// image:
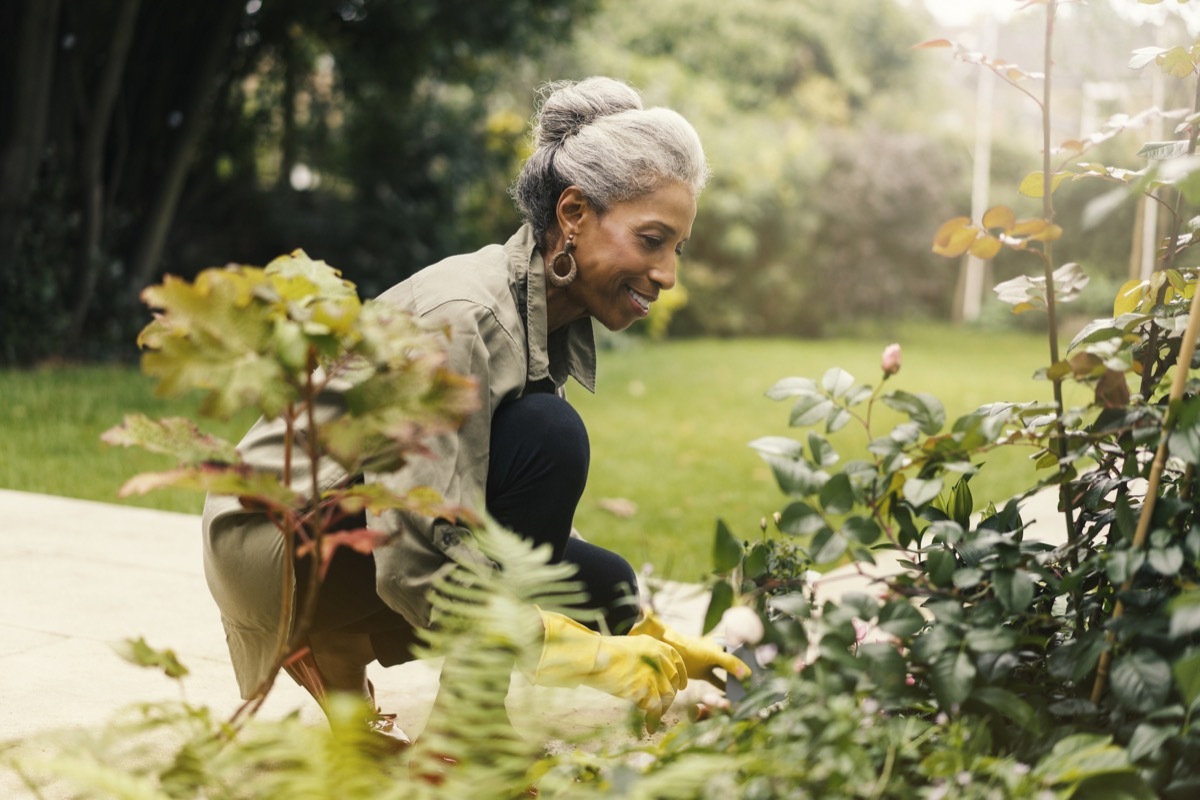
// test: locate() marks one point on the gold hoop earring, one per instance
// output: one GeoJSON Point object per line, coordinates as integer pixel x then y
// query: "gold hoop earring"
{"type": "Point", "coordinates": [562, 281]}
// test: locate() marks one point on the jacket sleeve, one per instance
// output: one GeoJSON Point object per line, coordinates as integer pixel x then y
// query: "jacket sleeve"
{"type": "Point", "coordinates": [422, 548]}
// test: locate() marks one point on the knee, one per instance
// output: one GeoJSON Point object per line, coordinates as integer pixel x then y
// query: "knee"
{"type": "Point", "coordinates": [558, 430]}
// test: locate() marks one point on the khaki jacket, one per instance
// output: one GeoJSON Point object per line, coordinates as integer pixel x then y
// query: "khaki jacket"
{"type": "Point", "coordinates": [494, 303]}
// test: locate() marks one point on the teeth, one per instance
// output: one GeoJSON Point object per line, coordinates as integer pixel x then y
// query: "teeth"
{"type": "Point", "coordinates": [640, 299]}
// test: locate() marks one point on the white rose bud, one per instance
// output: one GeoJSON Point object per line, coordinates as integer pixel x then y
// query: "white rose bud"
{"type": "Point", "coordinates": [742, 626]}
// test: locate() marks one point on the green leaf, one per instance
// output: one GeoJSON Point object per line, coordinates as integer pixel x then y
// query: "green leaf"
{"type": "Point", "coordinates": [1126, 522]}
{"type": "Point", "coordinates": [237, 481]}
{"type": "Point", "coordinates": [900, 619]}
{"type": "Point", "coordinates": [1081, 756]}
{"type": "Point", "coordinates": [720, 601]}
{"type": "Point", "coordinates": [991, 640]}
{"type": "Point", "coordinates": [934, 641]}
{"type": "Point", "coordinates": [952, 676]}
{"type": "Point", "coordinates": [1007, 704]}
{"type": "Point", "coordinates": [1186, 671]}
{"type": "Point", "coordinates": [780, 446]}
{"type": "Point", "coordinates": [918, 492]}
{"type": "Point", "coordinates": [800, 519]}
{"type": "Point", "coordinates": [1185, 614]}
{"type": "Point", "coordinates": [940, 565]}
{"type": "Point", "coordinates": [727, 550]}
{"type": "Point", "coordinates": [1120, 565]}
{"type": "Point", "coordinates": [793, 605]}
{"type": "Point", "coordinates": [885, 666]}
{"type": "Point", "coordinates": [923, 409]}
{"type": "Point", "coordinates": [1148, 739]}
{"type": "Point", "coordinates": [863, 529]}
{"type": "Point", "coordinates": [809, 410]}
{"type": "Point", "coordinates": [792, 387]}
{"type": "Point", "coordinates": [177, 437]}
{"type": "Point", "coordinates": [837, 495]}
{"type": "Point", "coordinates": [1162, 151]}
{"type": "Point", "coordinates": [857, 394]}
{"type": "Point", "coordinates": [137, 651]}
{"type": "Point", "coordinates": [758, 561]}
{"type": "Point", "coordinates": [1141, 680]}
{"type": "Point", "coordinates": [217, 335]}
{"type": "Point", "coordinates": [828, 546]}
{"type": "Point", "coordinates": [823, 454]}
{"type": "Point", "coordinates": [1014, 589]}
{"type": "Point", "coordinates": [961, 504]}
{"type": "Point", "coordinates": [1166, 561]}
{"type": "Point", "coordinates": [796, 477]}
{"type": "Point", "coordinates": [967, 577]}
{"type": "Point", "coordinates": [1076, 659]}
{"type": "Point", "coordinates": [838, 419]}
{"type": "Point", "coordinates": [1114, 786]}
{"type": "Point", "coordinates": [837, 382]}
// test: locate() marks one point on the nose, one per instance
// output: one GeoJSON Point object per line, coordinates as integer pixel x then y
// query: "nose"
{"type": "Point", "coordinates": [663, 272]}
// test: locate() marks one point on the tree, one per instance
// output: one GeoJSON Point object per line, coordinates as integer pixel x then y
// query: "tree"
{"type": "Point", "coordinates": [146, 136]}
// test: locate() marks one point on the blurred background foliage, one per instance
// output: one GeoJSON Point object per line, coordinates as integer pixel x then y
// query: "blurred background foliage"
{"type": "Point", "coordinates": [139, 137]}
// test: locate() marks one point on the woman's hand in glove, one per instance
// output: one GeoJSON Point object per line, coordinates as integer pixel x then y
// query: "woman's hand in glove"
{"type": "Point", "coordinates": [639, 668]}
{"type": "Point", "coordinates": [701, 654]}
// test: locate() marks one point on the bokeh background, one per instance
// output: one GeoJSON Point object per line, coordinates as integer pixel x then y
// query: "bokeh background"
{"type": "Point", "coordinates": [143, 136]}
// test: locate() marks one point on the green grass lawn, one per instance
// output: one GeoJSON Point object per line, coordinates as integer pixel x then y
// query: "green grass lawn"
{"type": "Point", "coordinates": [669, 427]}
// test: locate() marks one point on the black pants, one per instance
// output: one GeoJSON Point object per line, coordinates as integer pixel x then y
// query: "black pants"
{"type": "Point", "coordinates": [537, 469]}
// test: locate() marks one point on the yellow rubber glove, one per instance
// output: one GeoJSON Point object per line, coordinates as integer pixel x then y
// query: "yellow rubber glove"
{"type": "Point", "coordinates": [637, 668]}
{"type": "Point", "coordinates": [701, 654]}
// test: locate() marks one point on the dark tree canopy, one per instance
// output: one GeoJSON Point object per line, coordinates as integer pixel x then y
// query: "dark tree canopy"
{"type": "Point", "coordinates": [143, 136]}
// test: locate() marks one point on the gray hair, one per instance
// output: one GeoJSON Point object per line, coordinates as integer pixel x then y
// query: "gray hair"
{"type": "Point", "coordinates": [595, 134]}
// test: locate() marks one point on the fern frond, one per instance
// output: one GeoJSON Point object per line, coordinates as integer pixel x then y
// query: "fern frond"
{"type": "Point", "coordinates": [486, 624]}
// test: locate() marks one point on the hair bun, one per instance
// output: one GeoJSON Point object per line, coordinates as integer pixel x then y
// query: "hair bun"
{"type": "Point", "coordinates": [567, 106]}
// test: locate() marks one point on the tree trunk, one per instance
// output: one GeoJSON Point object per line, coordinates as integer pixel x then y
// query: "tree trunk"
{"type": "Point", "coordinates": [33, 83]}
{"type": "Point", "coordinates": [92, 167]}
{"type": "Point", "coordinates": [162, 211]}
{"type": "Point", "coordinates": [288, 144]}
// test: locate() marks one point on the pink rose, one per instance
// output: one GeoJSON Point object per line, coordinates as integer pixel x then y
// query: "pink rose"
{"type": "Point", "coordinates": [890, 361]}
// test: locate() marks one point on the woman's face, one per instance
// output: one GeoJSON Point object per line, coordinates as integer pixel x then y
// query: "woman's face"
{"type": "Point", "coordinates": [627, 255]}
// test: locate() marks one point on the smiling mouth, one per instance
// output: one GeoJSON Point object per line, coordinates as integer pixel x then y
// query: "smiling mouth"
{"type": "Point", "coordinates": [643, 302]}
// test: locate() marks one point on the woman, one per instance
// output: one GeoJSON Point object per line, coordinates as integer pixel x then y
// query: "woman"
{"type": "Point", "coordinates": [608, 198]}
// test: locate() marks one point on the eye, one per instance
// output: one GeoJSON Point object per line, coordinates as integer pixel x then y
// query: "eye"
{"type": "Point", "coordinates": [679, 250]}
{"type": "Point", "coordinates": [652, 242]}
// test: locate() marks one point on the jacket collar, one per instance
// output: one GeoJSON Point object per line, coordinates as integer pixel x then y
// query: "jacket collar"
{"type": "Point", "coordinates": [569, 351]}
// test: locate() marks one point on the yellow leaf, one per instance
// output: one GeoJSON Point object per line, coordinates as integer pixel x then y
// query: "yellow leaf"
{"type": "Point", "coordinates": [1057, 371]}
{"type": "Point", "coordinates": [1072, 146]}
{"type": "Point", "coordinates": [999, 217]}
{"type": "Point", "coordinates": [1177, 62]}
{"type": "Point", "coordinates": [1129, 297]}
{"type": "Point", "coordinates": [1050, 233]}
{"type": "Point", "coordinates": [1034, 184]}
{"type": "Point", "coordinates": [986, 247]}
{"type": "Point", "coordinates": [933, 43]}
{"type": "Point", "coordinates": [1028, 228]}
{"type": "Point", "coordinates": [954, 237]}
{"type": "Point", "coordinates": [1021, 308]}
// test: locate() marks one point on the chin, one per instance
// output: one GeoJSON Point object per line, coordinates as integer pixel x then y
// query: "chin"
{"type": "Point", "coordinates": [619, 326]}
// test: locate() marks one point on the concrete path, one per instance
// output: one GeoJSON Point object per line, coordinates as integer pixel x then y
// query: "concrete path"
{"type": "Point", "coordinates": [77, 577]}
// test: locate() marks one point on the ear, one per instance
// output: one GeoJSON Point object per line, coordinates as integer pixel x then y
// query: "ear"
{"type": "Point", "coordinates": [572, 208]}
